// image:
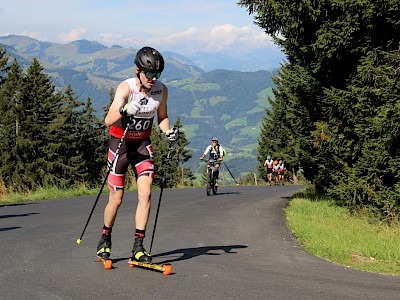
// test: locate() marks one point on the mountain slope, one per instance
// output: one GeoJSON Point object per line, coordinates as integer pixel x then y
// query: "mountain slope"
{"type": "Point", "coordinates": [227, 104]}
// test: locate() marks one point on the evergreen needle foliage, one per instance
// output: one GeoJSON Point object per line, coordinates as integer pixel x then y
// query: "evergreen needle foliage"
{"type": "Point", "coordinates": [336, 111]}
{"type": "Point", "coordinates": [49, 140]}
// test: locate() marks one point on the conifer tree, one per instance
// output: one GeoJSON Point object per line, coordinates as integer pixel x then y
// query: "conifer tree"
{"type": "Point", "coordinates": [182, 155]}
{"type": "Point", "coordinates": [9, 124]}
{"type": "Point", "coordinates": [111, 93]}
{"type": "Point", "coordinates": [370, 155]}
{"type": "Point", "coordinates": [350, 49]}
{"type": "Point", "coordinates": [71, 158]}
{"type": "Point", "coordinates": [94, 143]}
{"type": "Point", "coordinates": [37, 108]}
{"type": "Point", "coordinates": [4, 67]}
{"type": "Point", "coordinates": [178, 156]}
{"type": "Point", "coordinates": [286, 129]}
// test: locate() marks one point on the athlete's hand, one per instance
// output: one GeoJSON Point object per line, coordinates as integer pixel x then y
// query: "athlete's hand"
{"type": "Point", "coordinates": [172, 134]}
{"type": "Point", "coordinates": [132, 107]}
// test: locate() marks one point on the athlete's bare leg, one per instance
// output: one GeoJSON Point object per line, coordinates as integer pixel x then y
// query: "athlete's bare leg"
{"type": "Point", "coordinates": [144, 201]}
{"type": "Point", "coordinates": [111, 209]}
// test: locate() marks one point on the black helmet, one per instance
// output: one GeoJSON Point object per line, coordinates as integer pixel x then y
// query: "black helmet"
{"type": "Point", "coordinates": [149, 60]}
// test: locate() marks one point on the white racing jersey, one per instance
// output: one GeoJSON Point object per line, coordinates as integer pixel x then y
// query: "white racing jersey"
{"type": "Point", "coordinates": [215, 152]}
{"type": "Point", "coordinates": [141, 123]}
{"type": "Point", "coordinates": [269, 163]}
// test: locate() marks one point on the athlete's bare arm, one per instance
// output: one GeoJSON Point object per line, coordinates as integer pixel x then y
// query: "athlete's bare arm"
{"type": "Point", "coordinates": [120, 99]}
{"type": "Point", "coordinates": [162, 113]}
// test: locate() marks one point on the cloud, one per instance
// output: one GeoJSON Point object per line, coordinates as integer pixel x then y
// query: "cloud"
{"type": "Point", "coordinates": [72, 35]}
{"type": "Point", "coordinates": [237, 40]}
{"type": "Point", "coordinates": [221, 38]}
{"type": "Point", "coordinates": [182, 26]}
{"type": "Point", "coordinates": [31, 34]}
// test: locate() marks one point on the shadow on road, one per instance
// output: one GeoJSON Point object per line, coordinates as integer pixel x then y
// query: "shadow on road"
{"type": "Point", "coordinates": [8, 228]}
{"type": "Point", "coordinates": [188, 253]}
{"type": "Point", "coordinates": [16, 216]}
{"type": "Point", "coordinates": [227, 193]}
{"type": "Point", "coordinates": [16, 204]}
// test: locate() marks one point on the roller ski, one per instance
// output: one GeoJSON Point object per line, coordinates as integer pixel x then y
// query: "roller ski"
{"type": "Point", "coordinates": [104, 251]}
{"type": "Point", "coordinates": [166, 269]}
{"type": "Point", "coordinates": [141, 258]}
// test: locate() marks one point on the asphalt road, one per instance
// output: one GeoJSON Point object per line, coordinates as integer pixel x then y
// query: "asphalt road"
{"type": "Point", "coordinates": [234, 245]}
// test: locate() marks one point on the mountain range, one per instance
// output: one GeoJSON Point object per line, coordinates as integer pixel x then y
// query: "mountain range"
{"type": "Point", "coordinates": [229, 104]}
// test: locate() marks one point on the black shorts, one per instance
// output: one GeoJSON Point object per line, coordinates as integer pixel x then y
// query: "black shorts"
{"type": "Point", "coordinates": [130, 152]}
{"type": "Point", "coordinates": [139, 154]}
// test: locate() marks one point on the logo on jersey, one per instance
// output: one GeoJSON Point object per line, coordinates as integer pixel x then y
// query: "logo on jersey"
{"type": "Point", "coordinates": [144, 101]}
{"type": "Point", "coordinates": [156, 92]}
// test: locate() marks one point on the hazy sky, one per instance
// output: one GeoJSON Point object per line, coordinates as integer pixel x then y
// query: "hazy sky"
{"type": "Point", "coordinates": [181, 26]}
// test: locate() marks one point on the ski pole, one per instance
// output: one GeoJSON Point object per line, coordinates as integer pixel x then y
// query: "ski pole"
{"type": "Point", "coordinates": [230, 172]}
{"type": "Point", "coordinates": [163, 181]}
{"type": "Point", "coordinates": [79, 241]}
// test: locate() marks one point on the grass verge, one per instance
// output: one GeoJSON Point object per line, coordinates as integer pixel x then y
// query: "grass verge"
{"type": "Point", "coordinates": [330, 232]}
{"type": "Point", "coordinates": [49, 193]}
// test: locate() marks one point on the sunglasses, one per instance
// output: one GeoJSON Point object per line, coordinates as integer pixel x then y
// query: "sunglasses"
{"type": "Point", "coordinates": [215, 141]}
{"type": "Point", "coordinates": [151, 75]}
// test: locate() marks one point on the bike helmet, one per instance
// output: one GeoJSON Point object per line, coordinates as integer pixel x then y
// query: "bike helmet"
{"type": "Point", "coordinates": [149, 60]}
{"type": "Point", "coordinates": [214, 139]}
{"type": "Point", "coordinates": [268, 157]}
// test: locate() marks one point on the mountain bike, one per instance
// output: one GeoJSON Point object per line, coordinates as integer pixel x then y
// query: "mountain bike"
{"type": "Point", "coordinates": [211, 178]}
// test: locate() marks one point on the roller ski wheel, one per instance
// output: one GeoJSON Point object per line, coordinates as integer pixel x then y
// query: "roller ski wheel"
{"type": "Point", "coordinates": [166, 269]}
{"type": "Point", "coordinates": [106, 262]}
{"type": "Point", "coordinates": [104, 251]}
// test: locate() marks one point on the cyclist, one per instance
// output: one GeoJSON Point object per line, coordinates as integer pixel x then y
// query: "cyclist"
{"type": "Point", "coordinates": [216, 153]}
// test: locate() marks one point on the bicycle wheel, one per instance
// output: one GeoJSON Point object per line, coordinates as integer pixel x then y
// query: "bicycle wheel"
{"type": "Point", "coordinates": [214, 181]}
{"type": "Point", "coordinates": [215, 189]}
{"type": "Point", "coordinates": [208, 184]}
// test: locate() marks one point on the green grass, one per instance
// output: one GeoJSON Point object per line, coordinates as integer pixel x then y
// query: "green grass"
{"type": "Point", "coordinates": [249, 148]}
{"type": "Point", "coordinates": [217, 99]}
{"type": "Point", "coordinates": [236, 122]}
{"type": "Point", "coordinates": [49, 193]}
{"type": "Point", "coordinates": [190, 130]}
{"type": "Point", "coordinates": [53, 193]}
{"type": "Point", "coordinates": [225, 117]}
{"type": "Point", "coordinates": [196, 112]}
{"type": "Point", "coordinates": [253, 131]}
{"type": "Point", "coordinates": [330, 232]}
{"type": "Point", "coordinates": [191, 84]}
{"type": "Point", "coordinates": [202, 87]}
{"type": "Point", "coordinates": [255, 110]}
{"type": "Point", "coordinates": [263, 97]}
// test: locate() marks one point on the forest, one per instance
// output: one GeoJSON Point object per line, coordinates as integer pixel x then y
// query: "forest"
{"type": "Point", "coordinates": [49, 138]}
{"type": "Point", "coordinates": [336, 112]}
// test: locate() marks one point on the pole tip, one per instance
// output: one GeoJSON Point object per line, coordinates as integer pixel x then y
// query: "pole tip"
{"type": "Point", "coordinates": [78, 241]}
